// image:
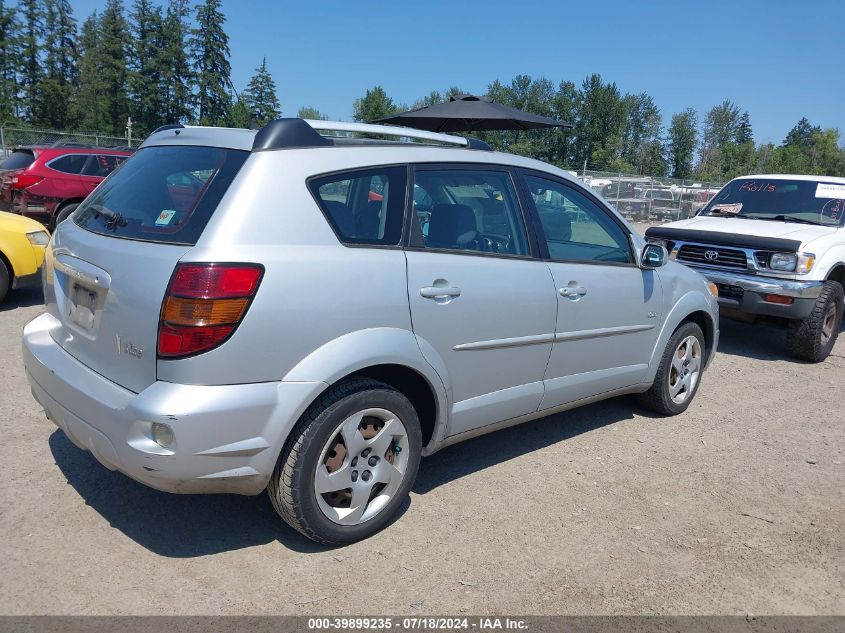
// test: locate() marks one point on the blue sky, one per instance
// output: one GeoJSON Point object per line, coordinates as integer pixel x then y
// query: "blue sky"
{"type": "Point", "coordinates": [778, 59]}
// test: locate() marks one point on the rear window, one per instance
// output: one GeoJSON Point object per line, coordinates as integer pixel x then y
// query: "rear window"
{"type": "Point", "coordinates": [19, 159]}
{"type": "Point", "coordinates": [164, 194]}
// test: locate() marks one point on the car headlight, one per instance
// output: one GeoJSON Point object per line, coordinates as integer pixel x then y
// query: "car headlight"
{"type": "Point", "coordinates": [800, 263]}
{"type": "Point", "coordinates": [38, 238]}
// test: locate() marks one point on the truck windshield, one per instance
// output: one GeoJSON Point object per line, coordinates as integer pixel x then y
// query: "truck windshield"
{"type": "Point", "coordinates": [805, 201]}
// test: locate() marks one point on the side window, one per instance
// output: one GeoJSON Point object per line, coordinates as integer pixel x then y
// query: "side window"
{"type": "Point", "coordinates": [576, 228]}
{"type": "Point", "coordinates": [101, 165]}
{"type": "Point", "coordinates": [69, 164]}
{"type": "Point", "coordinates": [364, 207]}
{"type": "Point", "coordinates": [469, 210]}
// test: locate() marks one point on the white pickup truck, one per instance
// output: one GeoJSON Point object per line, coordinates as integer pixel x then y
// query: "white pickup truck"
{"type": "Point", "coordinates": [775, 247]}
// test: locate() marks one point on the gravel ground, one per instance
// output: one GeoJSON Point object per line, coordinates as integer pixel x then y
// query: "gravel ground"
{"type": "Point", "coordinates": [736, 506]}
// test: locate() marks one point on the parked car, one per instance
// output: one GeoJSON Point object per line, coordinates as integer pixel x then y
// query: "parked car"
{"type": "Point", "coordinates": [280, 329]}
{"type": "Point", "coordinates": [22, 243]}
{"type": "Point", "coordinates": [47, 183]}
{"type": "Point", "coordinates": [775, 247]}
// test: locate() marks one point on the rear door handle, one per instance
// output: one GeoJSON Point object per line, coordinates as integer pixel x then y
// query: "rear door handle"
{"type": "Point", "coordinates": [440, 292]}
{"type": "Point", "coordinates": [573, 292]}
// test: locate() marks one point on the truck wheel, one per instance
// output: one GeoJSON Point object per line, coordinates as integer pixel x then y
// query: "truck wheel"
{"type": "Point", "coordinates": [679, 373]}
{"type": "Point", "coordinates": [5, 280]}
{"type": "Point", "coordinates": [813, 338]}
{"type": "Point", "coordinates": [349, 463]}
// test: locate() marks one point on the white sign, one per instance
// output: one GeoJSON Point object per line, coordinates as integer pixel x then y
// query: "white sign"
{"type": "Point", "coordinates": [825, 190]}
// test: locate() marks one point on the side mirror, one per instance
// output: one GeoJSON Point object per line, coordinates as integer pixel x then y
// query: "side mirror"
{"type": "Point", "coordinates": [654, 256]}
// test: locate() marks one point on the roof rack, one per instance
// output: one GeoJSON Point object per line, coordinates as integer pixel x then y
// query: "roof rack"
{"type": "Point", "coordinates": [297, 133]}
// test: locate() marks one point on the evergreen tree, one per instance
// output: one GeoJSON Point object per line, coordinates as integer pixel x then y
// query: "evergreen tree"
{"type": "Point", "coordinates": [9, 63]}
{"type": "Point", "coordinates": [114, 42]}
{"type": "Point", "coordinates": [683, 139]}
{"type": "Point", "coordinates": [177, 79]}
{"type": "Point", "coordinates": [145, 66]}
{"type": "Point", "coordinates": [30, 62]}
{"type": "Point", "coordinates": [87, 105]}
{"type": "Point", "coordinates": [51, 96]}
{"type": "Point", "coordinates": [260, 97]}
{"type": "Point", "coordinates": [801, 135]}
{"type": "Point", "coordinates": [744, 134]}
{"type": "Point", "coordinates": [210, 51]}
{"type": "Point", "coordinates": [240, 115]}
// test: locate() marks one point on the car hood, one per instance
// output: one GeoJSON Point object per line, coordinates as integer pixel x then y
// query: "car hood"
{"type": "Point", "coordinates": [18, 223]}
{"type": "Point", "coordinates": [761, 228]}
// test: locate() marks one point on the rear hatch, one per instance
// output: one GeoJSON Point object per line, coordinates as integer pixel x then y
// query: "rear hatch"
{"type": "Point", "coordinates": [12, 165]}
{"type": "Point", "coordinates": [108, 267]}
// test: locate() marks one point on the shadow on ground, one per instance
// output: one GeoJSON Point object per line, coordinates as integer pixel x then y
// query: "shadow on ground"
{"type": "Point", "coordinates": [22, 299]}
{"type": "Point", "coordinates": [755, 340]}
{"type": "Point", "coordinates": [184, 526]}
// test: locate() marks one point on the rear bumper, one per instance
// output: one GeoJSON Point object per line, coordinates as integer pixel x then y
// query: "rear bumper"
{"type": "Point", "coordinates": [744, 293]}
{"type": "Point", "coordinates": [227, 438]}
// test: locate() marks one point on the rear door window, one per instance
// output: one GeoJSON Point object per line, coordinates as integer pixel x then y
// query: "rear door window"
{"type": "Point", "coordinates": [364, 206]}
{"type": "Point", "coordinates": [69, 164]}
{"type": "Point", "coordinates": [164, 194]}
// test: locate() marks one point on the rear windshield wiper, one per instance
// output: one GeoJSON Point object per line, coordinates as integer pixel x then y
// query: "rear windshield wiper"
{"type": "Point", "coordinates": [788, 218]}
{"type": "Point", "coordinates": [113, 218]}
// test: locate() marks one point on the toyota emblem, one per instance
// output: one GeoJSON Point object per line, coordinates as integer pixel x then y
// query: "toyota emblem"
{"type": "Point", "coordinates": [711, 255]}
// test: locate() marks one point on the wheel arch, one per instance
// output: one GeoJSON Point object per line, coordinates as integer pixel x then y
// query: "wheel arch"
{"type": "Point", "coordinates": [691, 307]}
{"type": "Point", "coordinates": [389, 355]}
{"type": "Point", "coordinates": [837, 273]}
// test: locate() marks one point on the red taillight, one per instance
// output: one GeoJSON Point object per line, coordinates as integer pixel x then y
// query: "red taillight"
{"type": "Point", "coordinates": [204, 305]}
{"type": "Point", "coordinates": [22, 181]}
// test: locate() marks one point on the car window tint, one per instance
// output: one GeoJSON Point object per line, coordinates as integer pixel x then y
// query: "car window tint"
{"type": "Point", "coordinates": [70, 164]}
{"type": "Point", "coordinates": [19, 159]}
{"type": "Point", "coordinates": [469, 210]}
{"type": "Point", "coordinates": [102, 165]}
{"type": "Point", "coordinates": [364, 207]}
{"type": "Point", "coordinates": [575, 227]}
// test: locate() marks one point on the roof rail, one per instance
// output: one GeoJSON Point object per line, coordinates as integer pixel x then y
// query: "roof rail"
{"type": "Point", "coordinates": [294, 132]}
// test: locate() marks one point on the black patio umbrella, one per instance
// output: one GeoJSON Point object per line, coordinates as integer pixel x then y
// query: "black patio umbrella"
{"type": "Point", "coordinates": [469, 113]}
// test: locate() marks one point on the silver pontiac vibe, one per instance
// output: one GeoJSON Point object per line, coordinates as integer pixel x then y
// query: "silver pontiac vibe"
{"type": "Point", "coordinates": [310, 313]}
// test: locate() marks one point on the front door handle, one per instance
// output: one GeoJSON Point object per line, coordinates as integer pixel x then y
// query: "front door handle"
{"type": "Point", "coordinates": [573, 292]}
{"type": "Point", "coordinates": [440, 292]}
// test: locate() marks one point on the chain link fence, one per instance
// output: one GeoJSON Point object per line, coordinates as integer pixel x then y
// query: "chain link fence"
{"type": "Point", "coordinates": [650, 199]}
{"type": "Point", "coordinates": [12, 137]}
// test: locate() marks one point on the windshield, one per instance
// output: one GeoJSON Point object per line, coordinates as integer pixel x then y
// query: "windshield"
{"type": "Point", "coordinates": [808, 201]}
{"type": "Point", "coordinates": [162, 194]}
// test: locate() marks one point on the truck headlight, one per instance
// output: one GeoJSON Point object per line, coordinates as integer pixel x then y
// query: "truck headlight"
{"type": "Point", "coordinates": [783, 261]}
{"type": "Point", "coordinates": [38, 238]}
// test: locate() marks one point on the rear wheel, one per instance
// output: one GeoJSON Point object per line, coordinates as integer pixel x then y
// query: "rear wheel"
{"type": "Point", "coordinates": [349, 463]}
{"type": "Point", "coordinates": [679, 373]}
{"type": "Point", "coordinates": [5, 280]}
{"type": "Point", "coordinates": [812, 339]}
{"type": "Point", "coordinates": [64, 213]}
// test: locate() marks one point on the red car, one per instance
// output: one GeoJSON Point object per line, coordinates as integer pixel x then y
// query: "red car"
{"type": "Point", "coordinates": [47, 183]}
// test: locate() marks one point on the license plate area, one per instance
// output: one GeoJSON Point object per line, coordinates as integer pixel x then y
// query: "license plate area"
{"type": "Point", "coordinates": [83, 305]}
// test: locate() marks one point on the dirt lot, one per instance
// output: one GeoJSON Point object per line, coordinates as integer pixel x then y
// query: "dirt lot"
{"type": "Point", "coordinates": [736, 506]}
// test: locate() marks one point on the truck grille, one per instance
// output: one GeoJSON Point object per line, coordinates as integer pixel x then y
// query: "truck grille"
{"type": "Point", "coordinates": [724, 257]}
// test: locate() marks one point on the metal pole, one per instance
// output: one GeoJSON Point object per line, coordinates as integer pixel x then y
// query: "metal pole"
{"type": "Point", "coordinates": [3, 140]}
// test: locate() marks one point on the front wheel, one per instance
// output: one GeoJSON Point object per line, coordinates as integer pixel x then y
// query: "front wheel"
{"type": "Point", "coordinates": [812, 339]}
{"type": "Point", "coordinates": [679, 373]}
{"type": "Point", "coordinates": [5, 280]}
{"type": "Point", "coordinates": [349, 463]}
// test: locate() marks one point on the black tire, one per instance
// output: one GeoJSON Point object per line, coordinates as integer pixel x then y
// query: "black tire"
{"type": "Point", "coordinates": [63, 213]}
{"type": "Point", "coordinates": [658, 398]}
{"type": "Point", "coordinates": [805, 339]}
{"type": "Point", "coordinates": [5, 280]}
{"type": "Point", "coordinates": [291, 487]}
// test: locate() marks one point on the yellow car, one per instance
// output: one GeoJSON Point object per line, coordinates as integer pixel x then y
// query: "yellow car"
{"type": "Point", "coordinates": [22, 243]}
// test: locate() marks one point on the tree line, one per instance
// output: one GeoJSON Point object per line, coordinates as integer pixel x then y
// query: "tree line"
{"type": "Point", "coordinates": [155, 64]}
{"type": "Point", "coordinates": [170, 64]}
{"type": "Point", "coordinates": [627, 133]}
